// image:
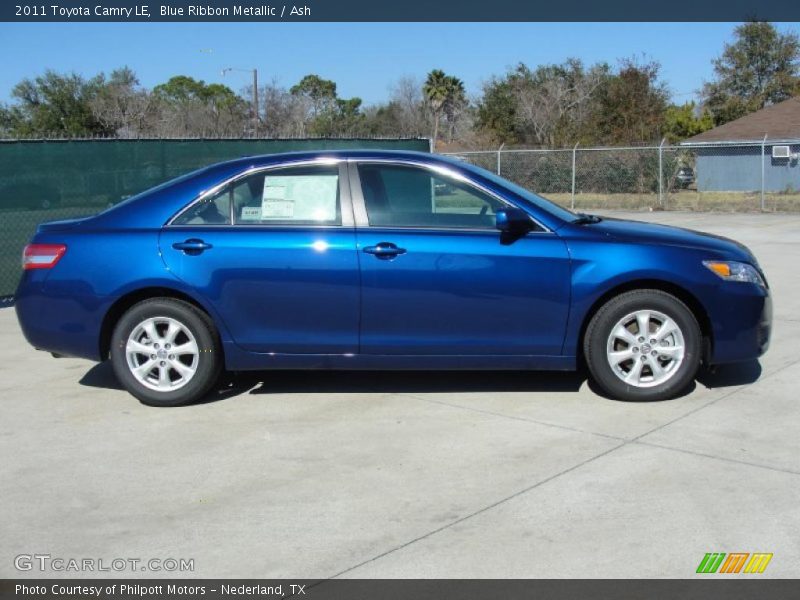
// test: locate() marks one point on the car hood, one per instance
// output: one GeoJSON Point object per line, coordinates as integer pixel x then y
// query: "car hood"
{"type": "Point", "coordinates": [639, 232]}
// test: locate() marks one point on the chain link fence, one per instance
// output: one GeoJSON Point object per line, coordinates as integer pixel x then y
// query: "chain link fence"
{"type": "Point", "coordinates": [756, 176]}
{"type": "Point", "coordinates": [47, 180]}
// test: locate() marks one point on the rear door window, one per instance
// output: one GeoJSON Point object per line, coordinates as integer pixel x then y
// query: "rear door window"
{"type": "Point", "coordinates": [290, 196]}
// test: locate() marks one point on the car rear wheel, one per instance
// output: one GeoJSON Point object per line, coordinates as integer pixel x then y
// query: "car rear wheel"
{"type": "Point", "coordinates": [165, 352]}
{"type": "Point", "coordinates": [643, 345]}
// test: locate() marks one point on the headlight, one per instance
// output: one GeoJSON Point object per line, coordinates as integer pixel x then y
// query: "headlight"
{"type": "Point", "coordinates": [735, 271]}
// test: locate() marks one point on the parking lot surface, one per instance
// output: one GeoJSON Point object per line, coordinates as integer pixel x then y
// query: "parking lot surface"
{"type": "Point", "coordinates": [317, 475]}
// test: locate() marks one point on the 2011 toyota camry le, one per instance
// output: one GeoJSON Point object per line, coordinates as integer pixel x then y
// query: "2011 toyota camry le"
{"type": "Point", "coordinates": [382, 260]}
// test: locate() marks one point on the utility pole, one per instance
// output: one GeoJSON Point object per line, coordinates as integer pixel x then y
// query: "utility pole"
{"type": "Point", "coordinates": [255, 102]}
{"type": "Point", "coordinates": [572, 197]}
{"type": "Point", "coordinates": [255, 93]}
{"type": "Point", "coordinates": [763, 177]}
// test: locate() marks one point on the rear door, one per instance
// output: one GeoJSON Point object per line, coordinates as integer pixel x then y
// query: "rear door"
{"type": "Point", "coordinates": [274, 252]}
{"type": "Point", "coordinates": [439, 279]}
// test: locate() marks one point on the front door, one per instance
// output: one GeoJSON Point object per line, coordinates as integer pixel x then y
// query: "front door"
{"type": "Point", "coordinates": [438, 278]}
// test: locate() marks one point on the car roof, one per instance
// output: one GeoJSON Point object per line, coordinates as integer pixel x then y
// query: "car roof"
{"type": "Point", "coordinates": [269, 159]}
{"type": "Point", "coordinates": [155, 206]}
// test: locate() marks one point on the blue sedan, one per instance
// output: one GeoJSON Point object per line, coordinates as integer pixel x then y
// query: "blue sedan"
{"type": "Point", "coordinates": [382, 260]}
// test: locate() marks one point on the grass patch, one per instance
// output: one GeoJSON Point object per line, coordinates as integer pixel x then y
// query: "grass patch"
{"type": "Point", "coordinates": [684, 200]}
{"type": "Point", "coordinates": [676, 200]}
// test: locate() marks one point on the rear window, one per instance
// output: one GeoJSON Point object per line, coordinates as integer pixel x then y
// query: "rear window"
{"type": "Point", "coordinates": [307, 195]}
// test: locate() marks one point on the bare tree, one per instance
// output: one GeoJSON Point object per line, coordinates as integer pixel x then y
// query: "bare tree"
{"type": "Point", "coordinates": [407, 95]}
{"type": "Point", "coordinates": [283, 114]}
{"type": "Point", "coordinates": [123, 106]}
{"type": "Point", "coordinates": [553, 96]}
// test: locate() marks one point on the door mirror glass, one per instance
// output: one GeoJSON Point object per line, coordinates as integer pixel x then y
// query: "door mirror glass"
{"type": "Point", "coordinates": [513, 220]}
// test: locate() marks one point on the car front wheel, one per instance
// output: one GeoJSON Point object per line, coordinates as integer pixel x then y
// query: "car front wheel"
{"type": "Point", "coordinates": [643, 345]}
{"type": "Point", "coordinates": [165, 352]}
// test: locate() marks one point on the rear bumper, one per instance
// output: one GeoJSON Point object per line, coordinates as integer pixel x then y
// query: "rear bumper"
{"type": "Point", "coordinates": [52, 321]}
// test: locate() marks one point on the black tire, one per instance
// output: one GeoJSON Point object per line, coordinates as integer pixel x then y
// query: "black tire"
{"type": "Point", "coordinates": [209, 358]}
{"type": "Point", "coordinates": [596, 340]}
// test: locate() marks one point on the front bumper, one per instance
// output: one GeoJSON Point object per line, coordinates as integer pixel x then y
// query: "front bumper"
{"type": "Point", "coordinates": [741, 323]}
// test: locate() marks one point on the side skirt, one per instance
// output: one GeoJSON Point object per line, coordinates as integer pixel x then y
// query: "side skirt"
{"type": "Point", "coordinates": [237, 359]}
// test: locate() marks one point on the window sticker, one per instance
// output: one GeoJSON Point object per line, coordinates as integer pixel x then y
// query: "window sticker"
{"type": "Point", "coordinates": [300, 197]}
{"type": "Point", "coordinates": [274, 192]}
{"type": "Point", "coordinates": [251, 213]}
{"type": "Point", "coordinates": [274, 204]}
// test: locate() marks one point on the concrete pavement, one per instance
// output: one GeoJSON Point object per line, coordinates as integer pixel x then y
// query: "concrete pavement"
{"type": "Point", "coordinates": [316, 475]}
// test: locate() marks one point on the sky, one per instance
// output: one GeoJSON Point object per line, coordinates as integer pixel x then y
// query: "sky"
{"type": "Point", "coordinates": [364, 59]}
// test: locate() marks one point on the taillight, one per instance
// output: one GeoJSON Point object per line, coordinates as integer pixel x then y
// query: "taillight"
{"type": "Point", "coordinates": [42, 256]}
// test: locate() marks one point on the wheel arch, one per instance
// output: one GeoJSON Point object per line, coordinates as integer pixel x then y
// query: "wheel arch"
{"type": "Point", "coordinates": [126, 301]}
{"type": "Point", "coordinates": [681, 293]}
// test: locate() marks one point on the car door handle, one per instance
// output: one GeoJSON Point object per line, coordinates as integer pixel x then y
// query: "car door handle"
{"type": "Point", "coordinates": [193, 246]}
{"type": "Point", "coordinates": [385, 250]}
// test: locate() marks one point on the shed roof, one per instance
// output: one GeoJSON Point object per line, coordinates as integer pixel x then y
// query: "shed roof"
{"type": "Point", "coordinates": [779, 122]}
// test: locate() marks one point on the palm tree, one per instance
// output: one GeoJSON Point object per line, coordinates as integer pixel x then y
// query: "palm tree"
{"type": "Point", "coordinates": [456, 101]}
{"type": "Point", "coordinates": [437, 90]}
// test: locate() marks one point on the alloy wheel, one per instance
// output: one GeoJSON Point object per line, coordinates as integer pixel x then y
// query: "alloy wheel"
{"type": "Point", "coordinates": [645, 348]}
{"type": "Point", "coordinates": [162, 354]}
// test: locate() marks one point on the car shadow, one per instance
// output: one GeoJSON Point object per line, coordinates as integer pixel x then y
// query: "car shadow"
{"type": "Point", "coordinates": [730, 375]}
{"type": "Point", "coordinates": [598, 391]}
{"type": "Point", "coordinates": [409, 382]}
{"type": "Point", "coordinates": [721, 376]}
{"type": "Point", "coordinates": [386, 382]}
{"type": "Point", "coordinates": [101, 375]}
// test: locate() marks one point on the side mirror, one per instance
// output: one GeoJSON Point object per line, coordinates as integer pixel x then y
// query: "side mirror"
{"type": "Point", "coordinates": [513, 220]}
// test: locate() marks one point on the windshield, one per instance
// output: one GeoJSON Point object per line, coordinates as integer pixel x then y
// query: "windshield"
{"type": "Point", "coordinates": [535, 199]}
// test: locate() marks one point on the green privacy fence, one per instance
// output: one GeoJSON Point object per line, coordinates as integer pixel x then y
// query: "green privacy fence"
{"type": "Point", "coordinates": [46, 180]}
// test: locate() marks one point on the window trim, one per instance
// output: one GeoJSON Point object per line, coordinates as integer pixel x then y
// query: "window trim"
{"type": "Point", "coordinates": [345, 199]}
{"type": "Point", "coordinates": [360, 206]}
